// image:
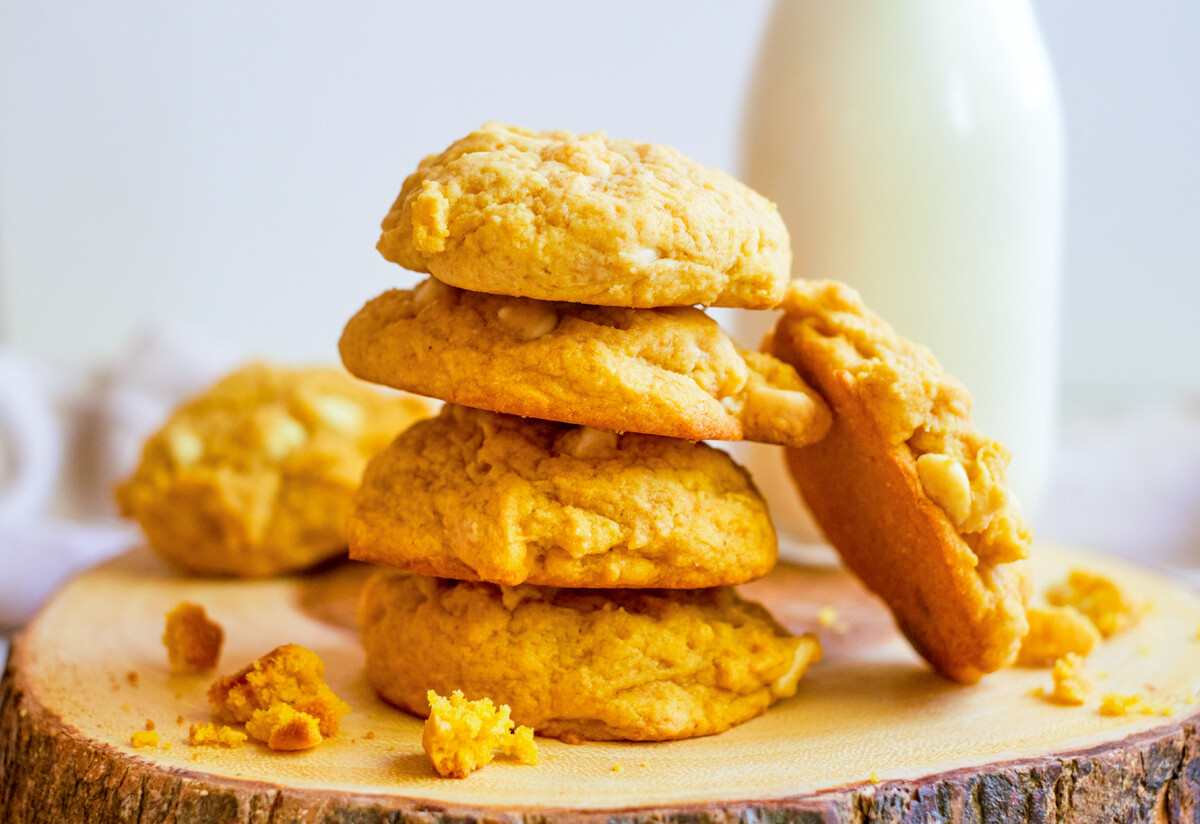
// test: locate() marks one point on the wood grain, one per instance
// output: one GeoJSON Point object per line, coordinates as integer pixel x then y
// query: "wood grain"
{"type": "Point", "coordinates": [872, 735]}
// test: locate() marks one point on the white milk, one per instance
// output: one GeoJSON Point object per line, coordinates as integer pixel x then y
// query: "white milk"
{"type": "Point", "coordinates": [915, 150]}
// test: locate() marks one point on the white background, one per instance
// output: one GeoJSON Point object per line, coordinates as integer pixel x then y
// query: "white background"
{"type": "Point", "coordinates": [224, 165]}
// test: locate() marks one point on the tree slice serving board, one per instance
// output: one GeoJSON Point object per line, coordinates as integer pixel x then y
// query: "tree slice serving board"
{"type": "Point", "coordinates": [872, 735]}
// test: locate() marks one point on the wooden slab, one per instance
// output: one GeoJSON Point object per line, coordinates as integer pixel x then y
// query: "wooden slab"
{"type": "Point", "coordinates": [871, 735]}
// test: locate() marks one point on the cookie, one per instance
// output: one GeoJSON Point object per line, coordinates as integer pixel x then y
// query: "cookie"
{"type": "Point", "coordinates": [669, 371]}
{"type": "Point", "coordinates": [255, 476]}
{"type": "Point", "coordinates": [478, 496]}
{"type": "Point", "coordinates": [904, 486]}
{"type": "Point", "coordinates": [642, 665]}
{"type": "Point", "coordinates": [587, 219]}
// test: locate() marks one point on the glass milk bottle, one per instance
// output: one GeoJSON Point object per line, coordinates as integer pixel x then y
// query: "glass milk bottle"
{"type": "Point", "coordinates": [915, 150]}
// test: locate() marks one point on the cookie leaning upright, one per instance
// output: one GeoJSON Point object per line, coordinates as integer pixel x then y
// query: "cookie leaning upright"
{"type": "Point", "coordinates": [587, 219]}
{"type": "Point", "coordinates": [904, 486]}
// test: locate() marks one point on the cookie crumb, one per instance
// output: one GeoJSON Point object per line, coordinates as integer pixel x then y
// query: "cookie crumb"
{"type": "Point", "coordinates": [149, 725]}
{"type": "Point", "coordinates": [144, 739]}
{"type": "Point", "coordinates": [282, 699]}
{"type": "Point", "coordinates": [828, 618]}
{"type": "Point", "coordinates": [1071, 683]}
{"type": "Point", "coordinates": [1097, 597]}
{"type": "Point", "coordinates": [132, 678]}
{"type": "Point", "coordinates": [1115, 703]}
{"type": "Point", "coordinates": [462, 736]}
{"type": "Point", "coordinates": [1053, 632]}
{"type": "Point", "coordinates": [874, 778]}
{"type": "Point", "coordinates": [192, 639]}
{"type": "Point", "coordinates": [616, 768]}
{"type": "Point", "coordinates": [1165, 710]}
{"type": "Point", "coordinates": [283, 727]}
{"type": "Point", "coordinates": [212, 735]}
{"type": "Point", "coordinates": [370, 736]}
{"type": "Point", "coordinates": [179, 720]}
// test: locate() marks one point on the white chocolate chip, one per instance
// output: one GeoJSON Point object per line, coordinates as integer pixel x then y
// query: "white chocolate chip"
{"type": "Point", "coordinates": [945, 482]}
{"type": "Point", "coordinates": [586, 442]}
{"type": "Point", "coordinates": [777, 415]}
{"type": "Point", "coordinates": [429, 291]}
{"type": "Point", "coordinates": [645, 255]}
{"type": "Point", "coordinates": [733, 404]}
{"type": "Point", "coordinates": [786, 683]}
{"type": "Point", "coordinates": [282, 436]}
{"type": "Point", "coordinates": [341, 414]}
{"type": "Point", "coordinates": [184, 445]}
{"type": "Point", "coordinates": [528, 319]}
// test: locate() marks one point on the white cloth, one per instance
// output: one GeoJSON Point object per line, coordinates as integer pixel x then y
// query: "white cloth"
{"type": "Point", "coordinates": [65, 440]}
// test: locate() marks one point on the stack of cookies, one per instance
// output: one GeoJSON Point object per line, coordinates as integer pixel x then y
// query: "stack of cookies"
{"type": "Point", "coordinates": [563, 541]}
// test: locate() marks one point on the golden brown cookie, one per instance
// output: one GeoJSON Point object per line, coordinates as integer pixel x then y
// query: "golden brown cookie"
{"type": "Point", "coordinates": [254, 476]}
{"type": "Point", "coordinates": [642, 665]}
{"type": "Point", "coordinates": [911, 495]}
{"type": "Point", "coordinates": [669, 372]}
{"type": "Point", "coordinates": [478, 496]}
{"type": "Point", "coordinates": [587, 219]}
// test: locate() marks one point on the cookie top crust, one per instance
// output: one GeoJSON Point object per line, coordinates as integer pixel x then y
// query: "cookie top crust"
{"type": "Point", "coordinates": [629, 664]}
{"type": "Point", "coordinates": [904, 486]}
{"type": "Point", "coordinates": [254, 476]}
{"type": "Point", "coordinates": [669, 371]}
{"type": "Point", "coordinates": [473, 495]}
{"type": "Point", "coordinates": [587, 219]}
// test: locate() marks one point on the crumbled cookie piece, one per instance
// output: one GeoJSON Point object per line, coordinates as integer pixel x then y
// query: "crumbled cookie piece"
{"type": "Point", "coordinates": [1054, 632]}
{"type": "Point", "coordinates": [288, 676]}
{"type": "Point", "coordinates": [1071, 683]}
{"type": "Point", "coordinates": [214, 735]}
{"type": "Point", "coordinates": [144, 739]}
{"type": "Point", "coordinates": [1115, 703]}
{"type": "Point", "coordinates": [462, 736]}
{"type": "Point", "coordinates": [1099, 598]}
{"type": "Point", "coordinates": [281, 727]}
{"type": "Point", "coordinates": [192, 639]}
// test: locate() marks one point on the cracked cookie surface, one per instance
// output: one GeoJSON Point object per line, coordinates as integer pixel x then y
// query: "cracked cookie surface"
{"type": "Point", "coordinates": [255, 475]}
{"type": "Point", "coordinates": [670, 371]}
{"type": "Point", "coordinates": [904, 486]}
{"type": "Point", "coordinates": [642, 665]}
{"type": "Point", "coordinates": [474, 495]}
{"type": "Point", "coordinates": [587, 219]}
